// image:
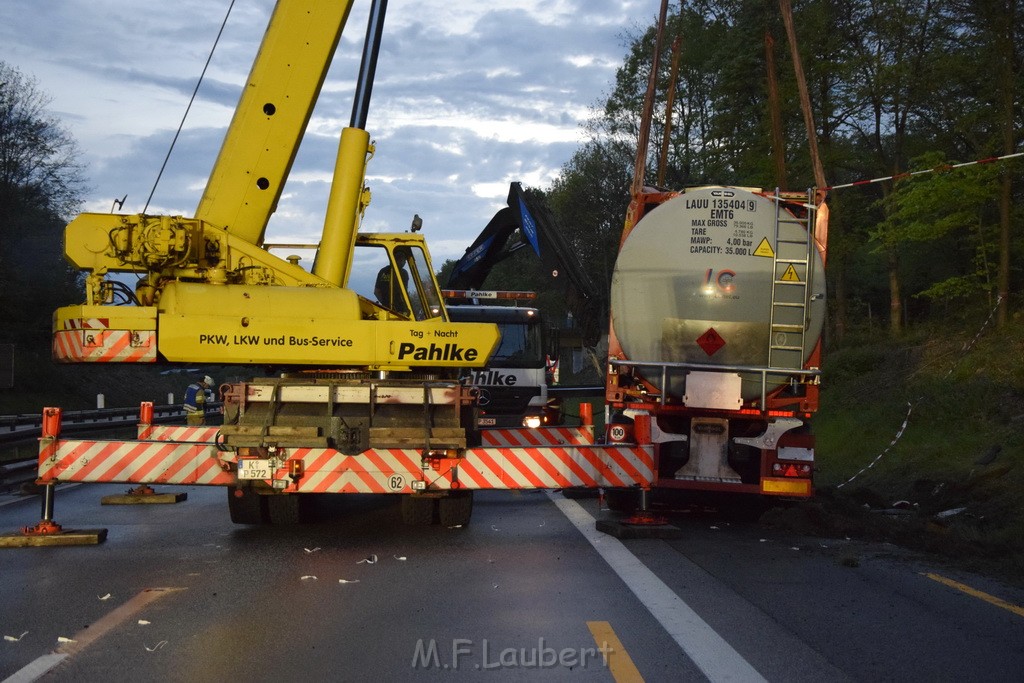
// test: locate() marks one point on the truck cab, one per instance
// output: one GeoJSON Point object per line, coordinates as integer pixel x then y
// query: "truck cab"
{"type": "Point", "coordinates": [512, 387]}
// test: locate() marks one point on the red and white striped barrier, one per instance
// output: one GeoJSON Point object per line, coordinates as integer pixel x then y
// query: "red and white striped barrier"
{"type": "Point", "coordinates": [91, 341]}
{"type": "Point", "coordinates": [545, 436]}
{"type": "Point", "coordinates": [178, 433]}
{"type": "Point", "coordinates": [325, 470]}
{"type": "Point", "coordinates": [131, 462]}
{"type": "Point", "coordinates": [938, 169]}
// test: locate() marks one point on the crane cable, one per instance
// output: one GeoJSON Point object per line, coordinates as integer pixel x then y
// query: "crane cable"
{"type": "Point", "coordinates": [938, 169]}
{"type": "Point", "coordinates": [189, 107]}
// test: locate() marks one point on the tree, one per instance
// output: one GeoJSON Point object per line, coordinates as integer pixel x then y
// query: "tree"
{"type": "Point", "coordinates": [589, 200]}
{"type": "Point", "coordinates": [954, 210]}
{"type": "Point", "coordinates": [40, 186]}
{"type": "Point", "coordinates": [38, 156]}
{"type": "Point", "coordinates": [994, 35]}
{"type": "Point", "coordinates": [893, 84]}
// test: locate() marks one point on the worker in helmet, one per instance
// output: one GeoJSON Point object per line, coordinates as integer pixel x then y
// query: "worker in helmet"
{"type": "Point", "coordinates": [196, 396]}
{"type": "Point", "coordinates": [389, 292]}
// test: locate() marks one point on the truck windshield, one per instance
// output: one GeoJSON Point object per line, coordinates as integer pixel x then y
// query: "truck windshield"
{"type": "Point", "coordinates": [521, 346]}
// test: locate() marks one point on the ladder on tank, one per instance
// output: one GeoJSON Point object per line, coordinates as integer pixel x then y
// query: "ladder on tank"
{"type": "Point", "coordinates": [791, 285]}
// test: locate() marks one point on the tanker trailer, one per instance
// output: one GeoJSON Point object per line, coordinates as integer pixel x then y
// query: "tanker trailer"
{"type": "Point", "coordinates": [717, 310]}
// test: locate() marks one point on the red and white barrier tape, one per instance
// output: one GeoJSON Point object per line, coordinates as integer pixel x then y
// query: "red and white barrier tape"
{"type": "Point", "coordinates": [907, 174]}
{"type": "Point", "coordinates": [910, 406]}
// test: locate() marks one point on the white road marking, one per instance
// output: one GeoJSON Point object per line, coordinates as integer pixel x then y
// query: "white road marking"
{"type": "Point", "coordinates": [36, 670]}
{"type": "Point", "coordinates": [83, 639]}
{"type": "Point", "coordinates": [35, 498]}
{"type": "Point", "coordinates": [701, 643]}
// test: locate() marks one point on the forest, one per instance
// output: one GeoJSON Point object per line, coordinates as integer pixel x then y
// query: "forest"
{"type": "Point", "coordinates": [916, 89]}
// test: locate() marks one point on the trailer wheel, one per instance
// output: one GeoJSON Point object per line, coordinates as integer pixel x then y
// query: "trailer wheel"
{"type": "Point", "coordinates": [285, 509]}
{"type": "Point", "coordinates": [418, 510]}
{"type": "Point", "coordinates": [456, 509]}
{"type": "Point", "coordinates": [248, 508]}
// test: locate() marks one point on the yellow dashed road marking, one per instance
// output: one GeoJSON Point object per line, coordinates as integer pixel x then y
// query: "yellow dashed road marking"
{"type": "Point", "coordinates": [620, 664]}
{"type": "Point", "coordinates": [974, 592]}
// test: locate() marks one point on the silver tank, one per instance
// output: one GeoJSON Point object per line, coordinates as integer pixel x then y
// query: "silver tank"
{"type": "Point", "coordinates": [694, 280]}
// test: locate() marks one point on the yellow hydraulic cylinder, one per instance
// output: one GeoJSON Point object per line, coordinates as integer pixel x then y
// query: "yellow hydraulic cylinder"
{"type": "Point", "coordinates": [344, 208]}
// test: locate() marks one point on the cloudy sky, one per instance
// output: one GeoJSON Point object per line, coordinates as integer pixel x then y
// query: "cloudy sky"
{"type": "Point", "coordinates": [468, 96]}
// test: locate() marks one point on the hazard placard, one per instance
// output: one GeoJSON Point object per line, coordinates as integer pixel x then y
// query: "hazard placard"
{"type": "Point", "coordinates": [791, 275]}
{"type": "Point", "coordinates": [764, 249]}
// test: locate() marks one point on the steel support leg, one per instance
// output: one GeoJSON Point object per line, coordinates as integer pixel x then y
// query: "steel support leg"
{"type": "Point", "coordinates": [47, 526]}
{"type": "Point", "coordinates": [48, 495]}
{"type": "Point", "coordinates": [643, 515]}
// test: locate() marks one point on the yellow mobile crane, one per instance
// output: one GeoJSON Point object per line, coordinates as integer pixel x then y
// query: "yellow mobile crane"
{"type": "Point", "coordinates": [369, 400]}
{"type": "Point", "coordinates": [360, 373]}
{"type": "Point", "coordinates": [210, 292]}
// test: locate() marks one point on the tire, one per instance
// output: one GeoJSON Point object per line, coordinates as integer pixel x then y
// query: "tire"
{"type": "Point", "coordinates": [418, 510]}
{"type": "Point", "coordinates": [455, 509]}
{"type": "Point", "coordinates": [249, 508]}
{"type": "Point", "coordinates": [285, 509]}
{"type": "Point", "coordinates": [625, 501]}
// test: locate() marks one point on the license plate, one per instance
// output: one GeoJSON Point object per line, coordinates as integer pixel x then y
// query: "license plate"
{"type": "Point", "coordinates": [487, 421]}
{"type": "Point", "coordinates": [252, 468]}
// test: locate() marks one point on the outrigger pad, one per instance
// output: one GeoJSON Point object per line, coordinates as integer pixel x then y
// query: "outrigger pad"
{"type": "Point", "coordinates": [143, 498]}
{"type": "Point", "coordinates": [622, 529]}
{"type": "Point", "coordinates": [63, 537]}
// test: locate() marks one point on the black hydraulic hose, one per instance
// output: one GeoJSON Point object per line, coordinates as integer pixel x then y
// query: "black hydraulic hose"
{"type": "Point", "coordinates": [368, 64]}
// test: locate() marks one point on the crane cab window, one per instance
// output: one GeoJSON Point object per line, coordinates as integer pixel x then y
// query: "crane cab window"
{"type": "Point", "coordinates": [422, 288]}
{"type": "Point", "coordinates": [399, 280]}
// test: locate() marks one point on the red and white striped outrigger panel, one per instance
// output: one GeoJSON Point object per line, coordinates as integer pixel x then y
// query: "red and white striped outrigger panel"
{"type": "Point", "coordinates": [90, 340]}
{"type": "Point", "coordinates": [326, 470]}
{"type": "Point", "coordinates": [545, 436]}
{"type": "Point", "coordinates": [178, 433]}
{"type": "Point", "coordinates": [548, 467]}
{"type": "Point", "coordinates": [140, 462]}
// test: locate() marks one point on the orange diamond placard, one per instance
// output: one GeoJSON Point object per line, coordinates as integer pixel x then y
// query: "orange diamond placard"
{"type": "Point", "coordinates": [710, 342]}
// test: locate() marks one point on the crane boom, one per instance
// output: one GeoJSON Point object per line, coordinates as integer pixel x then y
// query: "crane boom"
{"type": "Point", "coordinates": [263, 138]}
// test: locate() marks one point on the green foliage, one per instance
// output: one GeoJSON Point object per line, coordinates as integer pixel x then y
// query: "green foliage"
{"type": "Point", "coordinates": [954, 209]}
{"type": "Point", "coordinates": [930, 206]}
{"type": "Point", "coordinates": [589, 200]}
{"type": "Point", "coordinates": [962, 445]}
{"type": "Point", "coordinates": [894, 85]}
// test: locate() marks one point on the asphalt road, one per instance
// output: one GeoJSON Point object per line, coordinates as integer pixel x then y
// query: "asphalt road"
{"type": "Point", "coordinates": [529, 590]}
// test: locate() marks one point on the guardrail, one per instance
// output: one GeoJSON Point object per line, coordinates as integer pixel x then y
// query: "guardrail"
{"type": "Point", "coordinates": [26, 427]}
{"type": "Point", "coordinates": [17, 428]}
{"type": "Point", "coordinates": [18, 475]}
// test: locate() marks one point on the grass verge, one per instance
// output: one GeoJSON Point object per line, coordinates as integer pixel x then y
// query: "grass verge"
{"type": "Point", "coordinates": [952, 482]}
